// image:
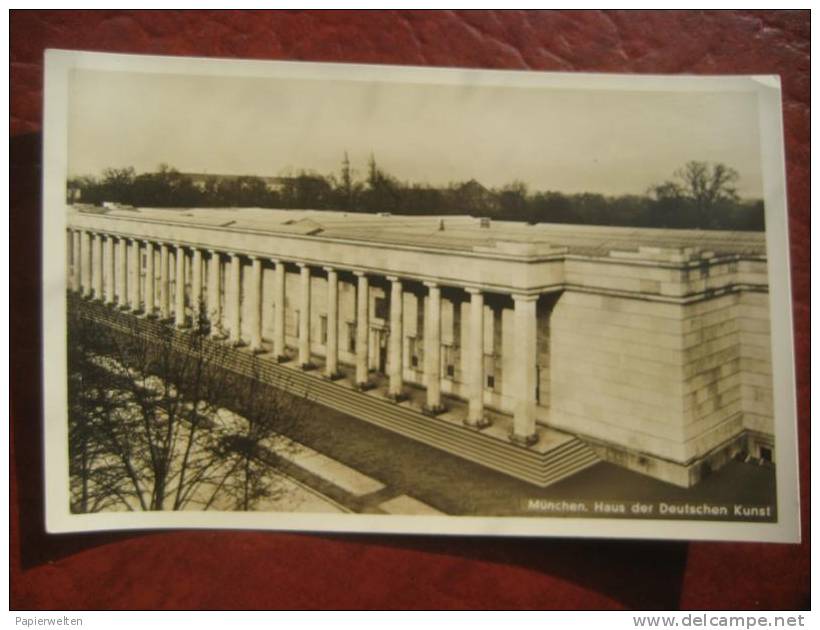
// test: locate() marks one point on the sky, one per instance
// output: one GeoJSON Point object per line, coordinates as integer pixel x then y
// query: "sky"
{"type": "Point", "coordinates": [572, 141]}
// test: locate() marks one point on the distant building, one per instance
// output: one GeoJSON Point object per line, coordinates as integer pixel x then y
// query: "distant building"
{"type": "Point", "coordinates": [200, 180]}
{"type": "Point", "coordinates": [536, 350]}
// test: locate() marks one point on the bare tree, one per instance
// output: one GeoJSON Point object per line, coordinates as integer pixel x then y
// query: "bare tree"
{"type": "Point", "coordinates": [255, 442]}
{"type": "Point", "coordinates": [702, 185]}
{"type": "Point", "coordinates": [92, 400]}
{"type": "Point", "coordinates": [147, 427]}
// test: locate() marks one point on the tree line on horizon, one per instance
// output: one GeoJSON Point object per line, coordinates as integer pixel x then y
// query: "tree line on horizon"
{"type": "Point", "coordinates": [698, 195]}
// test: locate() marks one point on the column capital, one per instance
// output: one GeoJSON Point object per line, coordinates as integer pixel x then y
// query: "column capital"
{"type": "Point", "coordinates": [232, 254]}
{"type": "Point", "coordinates": [303, 265]}
{"type": "Point", "coordinates": [360, 274]}
{"type": "Point", "coordinates": [147, 241]}
{"type": "Point", "coordinates": [253, 257]}
{"type": "Point", "coordinates": [473, 290]}
{"type": "Point", "coordinates": [275, 261]}
{"type": "Point", "coordinates": [431, 285]}
{"type": "Point", "coordinates": [330, 269]}
{"type": "Point", "coordinates": [524, 297]}
{"type": "Point", "coordinates": [393, 278]}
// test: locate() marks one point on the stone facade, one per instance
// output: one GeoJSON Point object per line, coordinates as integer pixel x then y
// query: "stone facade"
{"type": "Point", "coordinates": [651, 345]}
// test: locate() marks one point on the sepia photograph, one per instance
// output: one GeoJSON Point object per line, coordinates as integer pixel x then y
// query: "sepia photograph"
{"type": "Point", "coordinates": [332, 297]}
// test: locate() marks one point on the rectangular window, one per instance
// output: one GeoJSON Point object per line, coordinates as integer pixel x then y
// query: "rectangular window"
{"type": "Point", "coordinates": [490, 381]}
{"type": "Point", "coordinates": [380, 308]}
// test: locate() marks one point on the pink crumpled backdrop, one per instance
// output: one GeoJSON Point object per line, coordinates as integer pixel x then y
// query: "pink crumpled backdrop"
{"type": "Point", "coordinates": [225, 570]}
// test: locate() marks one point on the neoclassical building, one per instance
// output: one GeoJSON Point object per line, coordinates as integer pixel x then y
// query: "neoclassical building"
{"type": "Point", "coordinates": [647, 348]}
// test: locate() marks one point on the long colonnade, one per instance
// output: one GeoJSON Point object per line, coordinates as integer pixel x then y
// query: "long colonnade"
{"type": "Point", "coordinates": [110, 267]}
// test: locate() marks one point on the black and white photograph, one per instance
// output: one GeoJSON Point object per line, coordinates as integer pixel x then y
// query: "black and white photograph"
{"type": "Point", "coordinates": [331, 297]}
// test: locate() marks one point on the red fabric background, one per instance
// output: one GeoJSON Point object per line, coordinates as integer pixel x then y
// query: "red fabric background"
{"type": "Point", "coordinates": [224, 570]}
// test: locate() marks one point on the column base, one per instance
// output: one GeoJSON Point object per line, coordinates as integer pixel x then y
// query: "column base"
{"type": "Point", "coordinates": [282, 358]}
{"type": "Point", "coordinates": [257, 350]}
{"type": "Point", "coordinates": [366, 386]}
{"type": "Point", "coordinates": [481, 423]}
{"type": "Point", "coordinates": [307, 367]}
{"type": "Point", "coordinates": [397, 398]}
{"type": "Point", "coordinates": [236, 343]}
{"type": "Point", "coordinates": [334, 376]}
{"type": "Point", "coordinates": [523, 440]}
{"type": "Point", "coordinates": [433, 410]}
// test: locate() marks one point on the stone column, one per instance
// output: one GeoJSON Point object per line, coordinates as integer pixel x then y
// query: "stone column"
{"type": "Point", "coordinates": [134, 275]}
{"type": "Point", "coordinates": [69, 257]}
{"type": "Point", "coordinates": [110, 271]}
{"type": "Point", "coordinates": [122, 273]}
{"type": "Point", "coordinates": [86, 263]}
{"type": "Point", "coordinates": [97, 267]}
{"type": "Point", "coordinates": [179, 288]}
{"type": "Point", "coordinates": [475, 359]}
{"type": "Point", "coordinates": [304, 316]}
{"type": "Point", "coordinates": [279, 311]}
{"type": "Point", "coordinates": [164, 286]}
{"type": "Point", "coordinates": [332, 358]}
{"type": "Point", "coordinates": [76, 277]}
{"type": "Point", "coordinates": [395, 390]}
{"type": "Point", "coordinates": [432, 351]}
{"type": "Point", "coordinates": [214, 291]}
{"type": "Point", "coordinates": [234, 294]}
{"type": "Point", "coordinates": [255, 310]}
{"type": "Point", "coordinates": [525, 353]}
{"type": "Point", "coordinates": [150, 279]}
{"type": "Point", "coordinates": [196, 286]}
{"type": "Point", "coordinates": [362, 330]}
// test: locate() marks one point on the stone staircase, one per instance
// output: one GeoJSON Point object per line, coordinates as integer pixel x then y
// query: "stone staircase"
{"type": "Point", "coordinates": [539, 467]}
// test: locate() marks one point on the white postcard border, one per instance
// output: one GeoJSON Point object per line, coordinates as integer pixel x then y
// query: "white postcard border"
{"type": "Point", "coordinates": [58, 517]}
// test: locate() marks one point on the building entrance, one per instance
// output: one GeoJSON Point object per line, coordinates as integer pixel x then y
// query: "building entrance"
{"type": "Point", "coordinates": [381, 341]}
{"type": "Point", "coordinates": [378, 351]}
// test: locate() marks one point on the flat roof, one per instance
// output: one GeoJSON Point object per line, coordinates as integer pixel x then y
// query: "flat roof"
{"type": "Point", "coordinates": [459, 232]}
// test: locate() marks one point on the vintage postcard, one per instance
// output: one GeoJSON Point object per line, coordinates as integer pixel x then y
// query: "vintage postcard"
{"type": "Point", "coordinates": [332, 297]}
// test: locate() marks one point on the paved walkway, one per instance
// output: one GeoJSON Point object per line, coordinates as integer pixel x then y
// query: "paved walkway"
{"type": "Point", "coordinates": [345, 477]}
{"type": "Point", "coordinates": [335, 487]}
{"type": "Point", "coordinates": [403, 504]}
